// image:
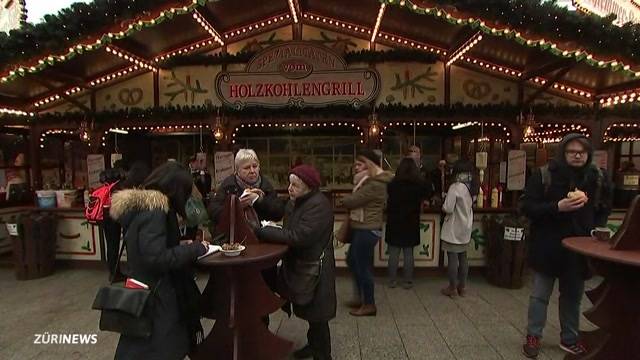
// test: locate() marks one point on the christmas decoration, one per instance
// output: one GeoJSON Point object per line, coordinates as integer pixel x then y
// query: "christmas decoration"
{"type": "Point", "coordinates": [544, 25]}
{"type": "Point", "coordinates": [64, 35]}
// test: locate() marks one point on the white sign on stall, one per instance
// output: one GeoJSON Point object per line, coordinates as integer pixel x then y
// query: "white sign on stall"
{"type": "Point", "coordinates": [115, 157]}
{"type": "Point", "coordinates": [516, 169]}
{"type": "Point", "coordinates": [95, 165]}
{"type": "Point", "coordinates": [223, 162]}
{"type": "Point", "coordinates": [513, 233]}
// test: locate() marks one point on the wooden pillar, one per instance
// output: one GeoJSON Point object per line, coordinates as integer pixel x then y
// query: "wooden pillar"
{"type": "Point", "coordinates": [156, 88]}
{"type": "Point", "coordinates": [34, 156]}
{"type": "Point", "coordinates": [447, 85]}
{"type": "Point", "coordinates": [297, 31]}
{"type": "Point", "coordinates": [597, 130]}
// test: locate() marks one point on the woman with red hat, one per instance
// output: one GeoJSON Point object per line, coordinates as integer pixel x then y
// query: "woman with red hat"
{"type": "Point", "coordinates": [307, 276]}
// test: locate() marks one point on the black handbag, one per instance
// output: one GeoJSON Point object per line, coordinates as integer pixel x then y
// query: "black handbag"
{"type": "Point", "coordinates": [300, 278]}
{"type": "Point", "coordinates": [124, 310]}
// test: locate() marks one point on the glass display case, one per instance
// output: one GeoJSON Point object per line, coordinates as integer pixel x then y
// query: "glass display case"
{"type": "Point", "coordinates": [63, 160]}
{"type": "Point", "coordinates": [332, 155]}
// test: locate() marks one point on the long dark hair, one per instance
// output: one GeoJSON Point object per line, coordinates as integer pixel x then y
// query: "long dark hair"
{"type": "Point", "coordinates": [136, 175]}
{"type": "Point", "coordinates": [466, 167]}
{"type": "Point", "coordinates": [408, 171]}
{"type": "Point", "coordinates": [173, 180]}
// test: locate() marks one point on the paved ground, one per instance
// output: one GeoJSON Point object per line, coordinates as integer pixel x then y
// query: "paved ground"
{"type": "Point", "coordinates": [411, 324]}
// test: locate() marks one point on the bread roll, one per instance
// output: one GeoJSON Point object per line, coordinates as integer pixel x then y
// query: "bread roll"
{"type": "Point", "coordinates": [576, 194]}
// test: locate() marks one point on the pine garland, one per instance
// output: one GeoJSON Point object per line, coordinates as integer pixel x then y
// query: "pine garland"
{"type": "Point", "coordinates": [537, 19]}
{"type": "Point", "coordinates": [385, 112]}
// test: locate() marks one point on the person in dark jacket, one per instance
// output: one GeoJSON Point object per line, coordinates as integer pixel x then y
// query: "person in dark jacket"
{"type": "Point", "coordinates": [154, 257]}
{"type": "Point", "coordinates": [308, 230]}
{"type": "Point", "coordinates": [405, 194]}
{"type": "Point", "coordinates": [262, 198]}
{"type": "Point", "coordinates": [110, 228]}
{"type": "Point", "coordinates": [555, 216]}
{"type": "Point", "coordinates": [126, 179]}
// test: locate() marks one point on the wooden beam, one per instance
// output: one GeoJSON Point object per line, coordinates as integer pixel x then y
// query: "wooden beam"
{"type": "Point", "coordinates": [546, 68]}
{"type": "Point", "coordinates": [63, 77]}
{"type": "Point", "coordinates": [559, 75]}
{"type": "Point", "coordinates": [12, 101]}
{"type": "Point", "coordinates": [134, 47]}
{"type": "Point", "coordinates": [60, 92]}
{"type": "Point", "coordinates": [461, 38]}
{"type": "Point", "coordinates": [629, 85]}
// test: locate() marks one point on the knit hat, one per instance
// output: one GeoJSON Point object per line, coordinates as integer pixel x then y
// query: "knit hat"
{"type": "Point", "coordinates": [369, 154]}
{"type": "Point", "coordinates": [308, 174]}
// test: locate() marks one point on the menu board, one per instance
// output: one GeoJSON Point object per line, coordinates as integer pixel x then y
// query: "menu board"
{"type": "Point", "coordinates": [516, 169]}
{"type": "Point", "coordinates": [223, 162]}
{"type": "Point", "coordinates": [95, 165]}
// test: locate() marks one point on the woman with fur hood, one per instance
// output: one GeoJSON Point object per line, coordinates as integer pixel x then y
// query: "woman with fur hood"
{"type": "Point", "coordinates": [156, 258]}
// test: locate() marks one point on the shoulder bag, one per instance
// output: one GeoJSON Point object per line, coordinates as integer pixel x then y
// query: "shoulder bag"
{"type": "Point", "coordinates": [124, 310]}
{"type": "Point", "coordinates": [300, 278]}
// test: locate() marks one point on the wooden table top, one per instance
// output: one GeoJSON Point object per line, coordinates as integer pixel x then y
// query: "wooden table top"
{"type": "Point", "coordinates": [254, 253]}
{"type": "Point", "coordinates": [591, 247]}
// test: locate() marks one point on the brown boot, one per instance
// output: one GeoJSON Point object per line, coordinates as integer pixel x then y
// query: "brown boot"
{"type": "Point", "coordinates": [462, 291]}
{"type": "Point", "coordinates": [449, 291]}
{"type": "Point", "coordinates": [365, 310]}
{"type": "Point", "coordinates": [354, 304]}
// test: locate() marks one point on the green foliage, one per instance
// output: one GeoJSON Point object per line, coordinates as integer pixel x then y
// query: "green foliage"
{"type": "Point", "coordinates": [545, 20]}
{"type": "Point", "coordinates": [69, 26]}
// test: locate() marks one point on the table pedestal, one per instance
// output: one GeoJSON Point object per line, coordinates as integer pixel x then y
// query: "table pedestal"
{"type": "Point", "coordinates": [239, 299]}
{"type": "Point", "coordinates": [615, 311]}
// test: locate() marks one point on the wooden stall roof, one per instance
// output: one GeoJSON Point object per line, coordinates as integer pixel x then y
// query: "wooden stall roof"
{"type": "Point", "coordinates": [25, 83]}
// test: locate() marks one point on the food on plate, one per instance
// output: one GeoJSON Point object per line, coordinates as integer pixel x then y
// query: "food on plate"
{"type": "Point", "coordinates": [577, 194]}
{"type": "Point", "coordinates": [230, 247]}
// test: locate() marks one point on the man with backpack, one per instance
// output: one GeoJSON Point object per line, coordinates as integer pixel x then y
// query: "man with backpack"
{"type": "Point", "coordinates": [567, 197]}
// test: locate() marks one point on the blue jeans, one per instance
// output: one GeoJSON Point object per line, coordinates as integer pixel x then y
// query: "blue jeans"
{"type": "Point", "coordinates": [360, 261]}
{"type": "Point", "coordinates": [571, 290]}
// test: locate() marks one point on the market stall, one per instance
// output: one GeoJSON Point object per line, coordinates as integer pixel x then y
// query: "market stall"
{"type": "Point", "coordinates": [306, 83]}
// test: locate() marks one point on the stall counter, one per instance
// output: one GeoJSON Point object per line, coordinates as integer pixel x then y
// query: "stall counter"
{"type": "Point", "coordinates": [79, 240]}
{"type": "Point", "coordinates": [76, 238]}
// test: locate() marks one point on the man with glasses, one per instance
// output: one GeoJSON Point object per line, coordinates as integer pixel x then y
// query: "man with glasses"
{"type": "Point", "coordinates": [555, 214]}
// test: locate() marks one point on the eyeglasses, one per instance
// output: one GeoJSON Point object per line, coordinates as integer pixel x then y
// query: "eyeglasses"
{"type": "Point", "coordinates": [575, 152]}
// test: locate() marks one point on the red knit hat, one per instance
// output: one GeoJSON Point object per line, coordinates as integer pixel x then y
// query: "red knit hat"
{"type": "Point", "coordinates": [308, 174]}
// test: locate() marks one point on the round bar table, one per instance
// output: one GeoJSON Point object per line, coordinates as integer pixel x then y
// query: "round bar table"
{"type": "Point", "coordinates": [237, 297]}
{"type": "Point", "coordinates": [616, 301]}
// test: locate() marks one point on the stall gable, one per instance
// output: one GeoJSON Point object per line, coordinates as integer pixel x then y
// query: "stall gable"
{"type": "Point", "coordinates": [337, 42]}
{"type": "Point", "coordinates": [68, 107]}
{"type": "Point", "coordinates": [411, 83]}
{"type": "Point", "coordinates": [470, 87]}
{"type": "Point", "coordinates": [262, 41]}
{"type": "Point", "coordinates": [188, 86]}
{"type": "Point", "coordinates": [133, 93]}
{"type": "Point", "coordinates": [547, 98]}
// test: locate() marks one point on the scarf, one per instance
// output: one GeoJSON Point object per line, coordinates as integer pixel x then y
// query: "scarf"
{"type": "Point", "coordinates": [245, 185]}
{"type": "Point", "coordinates": [358, 180]}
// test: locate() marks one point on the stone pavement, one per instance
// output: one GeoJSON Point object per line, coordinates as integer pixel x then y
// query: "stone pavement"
{"type": "Point", "coordinates": [411, 324]}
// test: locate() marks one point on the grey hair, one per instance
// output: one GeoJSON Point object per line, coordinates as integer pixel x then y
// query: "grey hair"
{"type": "Point", "coordinates": [244, 155]}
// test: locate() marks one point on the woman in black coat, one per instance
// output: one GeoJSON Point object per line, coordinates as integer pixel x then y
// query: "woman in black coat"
{"type": "Point", "coordinates": [308, 230]}
{"type": "Point", "coordinates": [405, 194]}
{"type": "Point", "coordinates": [154, 257]}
